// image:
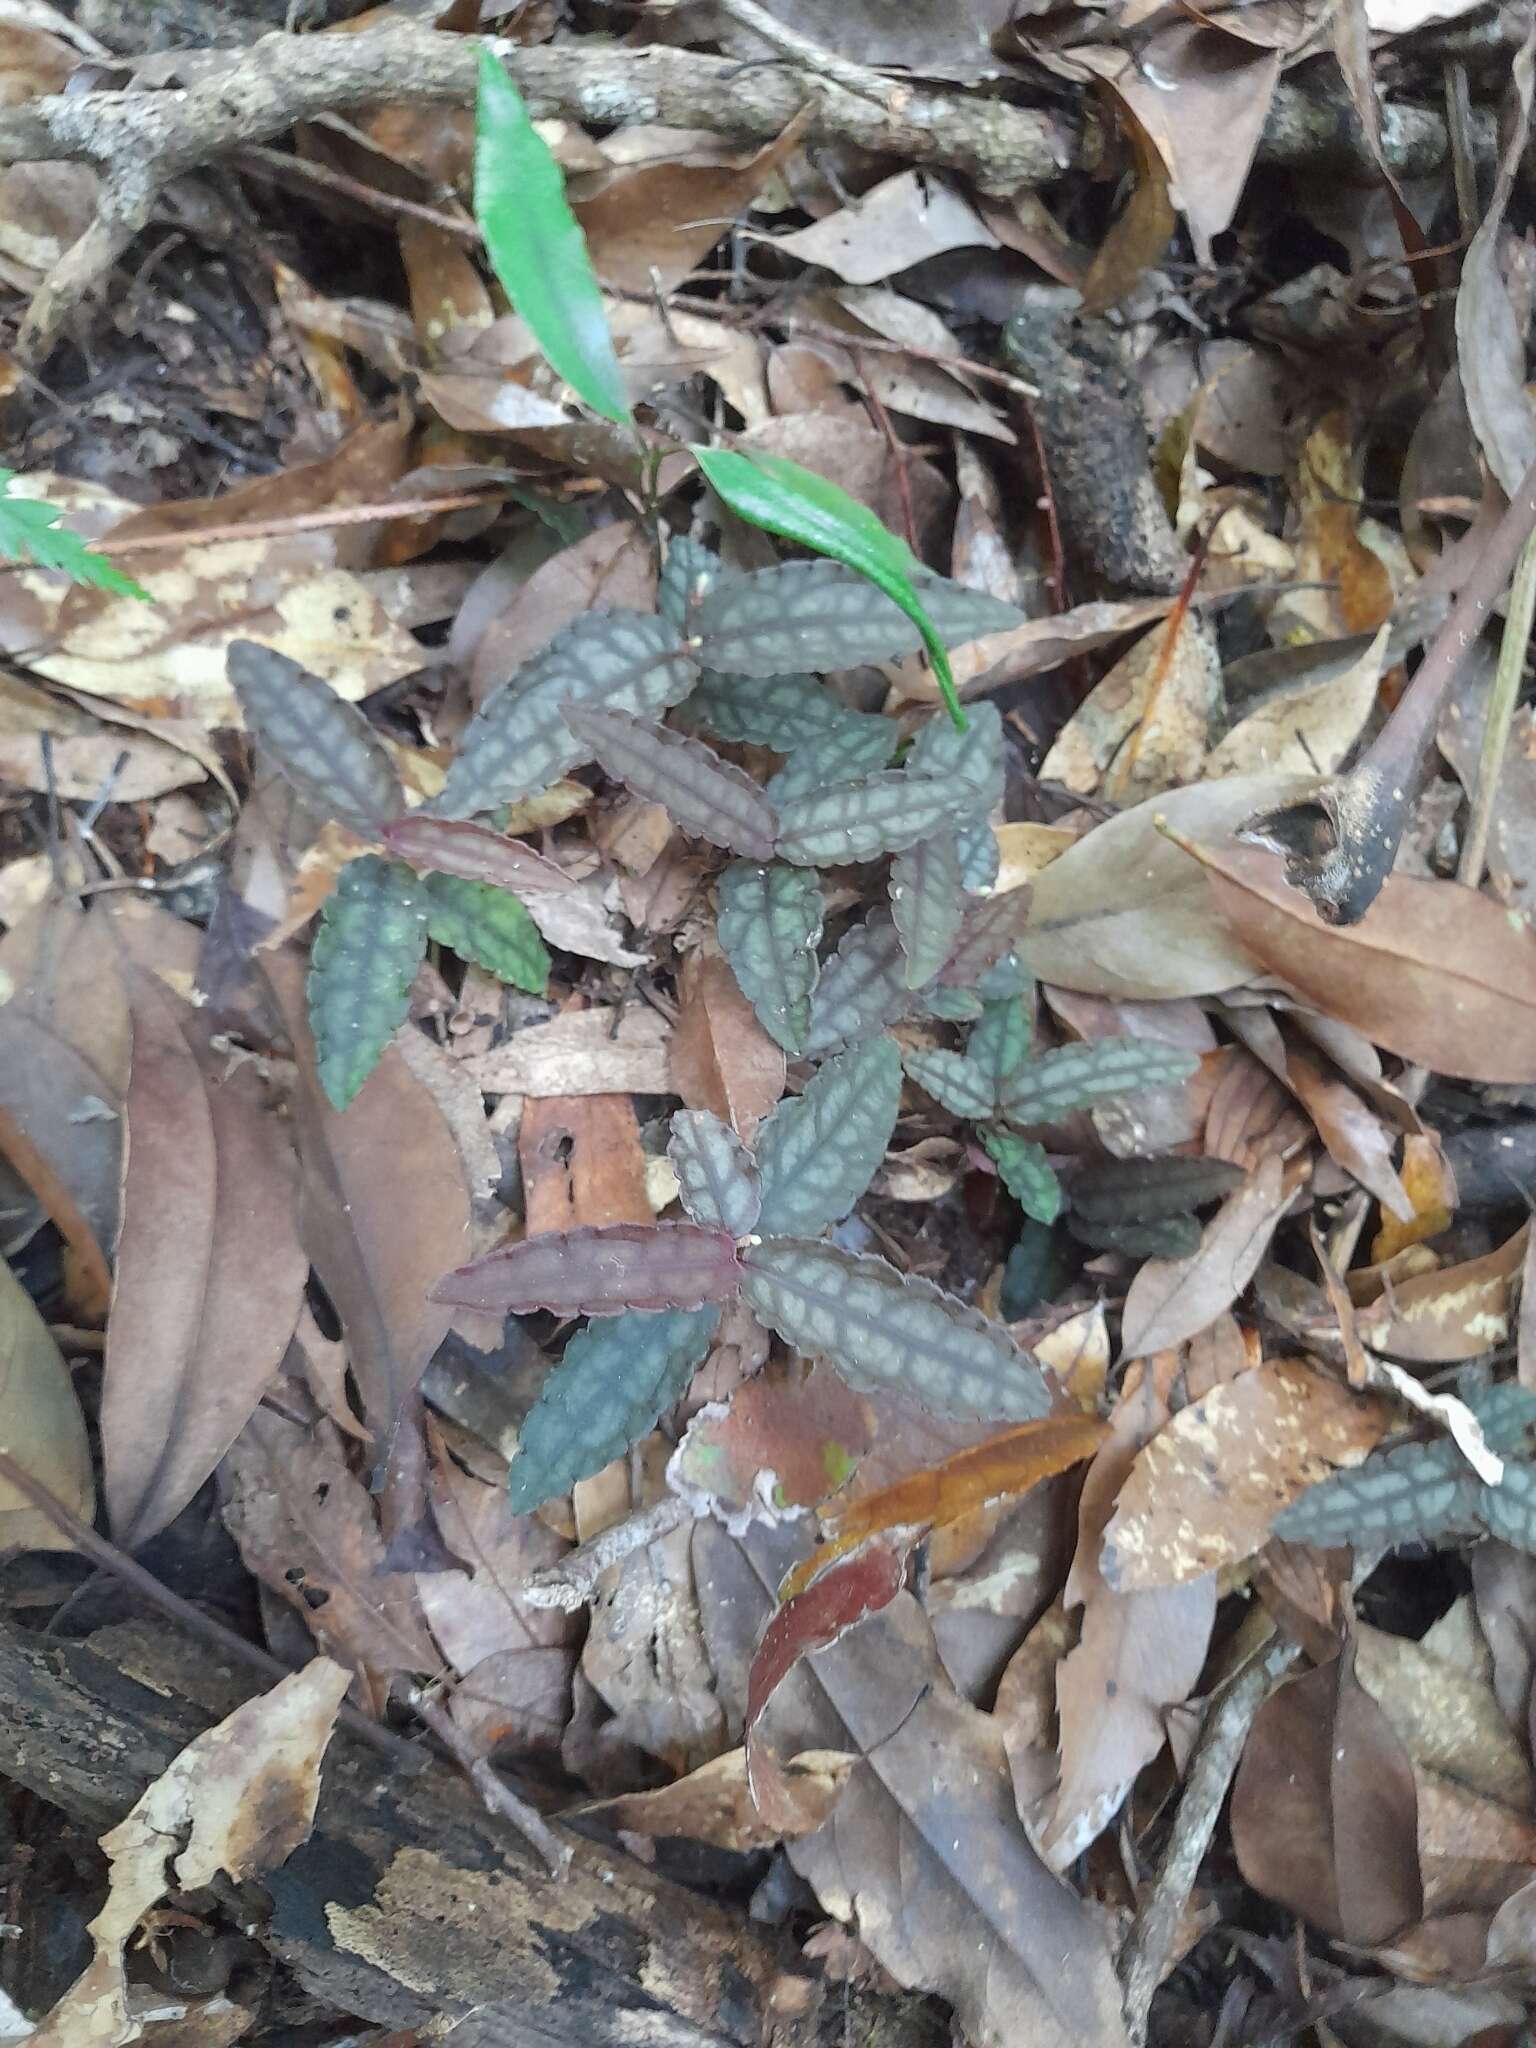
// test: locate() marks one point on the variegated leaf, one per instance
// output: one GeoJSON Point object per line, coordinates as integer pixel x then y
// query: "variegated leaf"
{"type": "Point", "coordinates": [1078, 1076]}
{"type": "Point", "coordinates": [859, 744]}
{"type": "Point", "coordinates": [320, 744]}
{"type": "Point", "coordinates": [616, 1379]}
{"type": "Point", "coordinates": [821, 616]}
{"type": "Point", "coordinates": [688, 571]}
{"type": "Point", "coordinates": [884, 1333]}
{"type": "Point", "coordinates": [958, 1083]}
{"type": "Point", "coordinates": [705, 796]}
{"type": "Point", "coordinates": [975, 755]}
{"type": "Point", "coordinates": [927, 905]}
{"type": "Point", "coordinates": [519, 741]}
{"type": "Point", "coordinates": [992, 930]}
{"type": "Point", "coordinates": [817, 1152]}
{"type": "Point", "coordinates": [854, 821]}
{"type": "Point", "coordinates": [599, 1270]}
{"type": "Point", "coordinates": [980, 857]}
{"type": "Point", "coordinates": [373, 933]}
{"type": "Point", "coordinates": [716, 1175]}
{"type": "Point", "coordinates": [770, 926]}
{"type": "Point", "coordinates": [1000, 1044]}
{"type": "Point", "coordinates": [862, 989]}
{"type": "Point", "coordinates": [1026, 1173]}
{"type": "Point", "coordinates": [782, 712]}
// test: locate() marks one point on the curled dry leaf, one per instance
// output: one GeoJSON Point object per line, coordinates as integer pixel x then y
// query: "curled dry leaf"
{"type": "Point", "coordinates": [1440, 1318]}
{"type": "Point", "coordinates": [1145, 727]}
{"type": "Point", "coordinates": [239, 1799]}
{"type": "Point", "coordinates": [1204, 1491]}
{"type": "Point", "coordinates": [714, 1804]}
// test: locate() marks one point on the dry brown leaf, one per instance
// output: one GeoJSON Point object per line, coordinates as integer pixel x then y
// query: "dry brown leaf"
{"type": "Point", "coordinates": [1433, 971]}
{"type": "Point", "coordinates": [1156, 704]}
{"type": "Point", "coordinates": [1030, 650]}
{"type": "Point", "coordinates": [1459, 1312]}
{"type": "Point", "coordinates": [1171, 1300]}
{"type": "Point", "coordinates": [713, 1803]}
{"type": "Point", "coordinates": [1137, 1655]}
{"type": "Point", "coordinates": [611, 569]}
{"type": "Point", "coordinates": [1139, 235]}
{"type": "Point", "coordinates": [210, 1272]}
{"type": "Point", "coordinates": [722, 1058]}
{"type": "Point", "coordinates": [514, 1661]}
{"type": "Point", "coordinates": [1203, 1493]}
{"type": "Point", "coordinates": [307, 1528]}
{"type": "Point", "coordinates": [41, 1425]}
{"type": "Point", "coordinates": [906, 218]}
{"type": "Point", "coordinates": [1324, 1808]}
{"type": "Point", "coordinates": [581, 1163]}
{"type": "Point", "coordinates": [1123, 913]}
{"type": "Point", "coordinates": [240, 1799]}
{"type": "Point", "coordinates": [1307, 726]}
{"type": "Point", "coordinates": [383, 1211]}
{"type": "Point", "coordinates": [584, 1052]}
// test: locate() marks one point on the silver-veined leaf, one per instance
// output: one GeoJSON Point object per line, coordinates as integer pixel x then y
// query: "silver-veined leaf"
{"type": "Point", "coordinates": [707, 797]}
{"type": "Point", "coordinates": [321, 745]}
{"type": "Point", "coordinates": [373, 933]}
{"type": "Point", "coordinates": [817, 1152]}
{"type": "Point", "coordinates": [770, 926]}
{"type": "Point", "coordinates": [717, 1177]}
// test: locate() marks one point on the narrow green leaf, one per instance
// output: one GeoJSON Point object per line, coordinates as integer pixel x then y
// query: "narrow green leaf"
{"type": "Point", "coordinates": [488, 926]}
{"type": "Point", "coordinates": [616, 1378]}
{"type": "Point", "coordinates": [927, 904]}
{"type": "Point", "coordinates": [817, 1152]}
{"type": "Point", "coordinates": [373, 933]}
{"type": "Point", "coordinates": [321, 745]}
{"type": "Point", "coordinates": [1078, 1076]}
{"type": "Point", "coordinates": [30, 532]}
{"type": "Point", "coordinates": [1026, 1173]}
{"type": "Point", "coordinates": [770, 927]}
{"type": "Point", "coordinates": [884, 1333]}
{"type": "Point", "coordinates": [796, 504]}
{"type": "Point", "coordinates": [536, 247]}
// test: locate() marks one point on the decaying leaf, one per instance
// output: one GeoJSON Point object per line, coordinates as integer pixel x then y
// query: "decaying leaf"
{"type": "Point", "coordinates": [1172, 1299]}
{"type": "Point", "coordinates": [240, 1799]}
{"type": "Point", "coordinates": [1205, 1491]}
{"type": "Point", "coordinates": [41, 1425]}
{"type": "Point", "coordinates": [725, 1057]}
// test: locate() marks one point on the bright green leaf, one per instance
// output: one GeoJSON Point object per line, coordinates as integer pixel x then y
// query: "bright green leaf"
{"type": "Point", "coordinates": [782, 498]}
{"type": "Point", "coordinates": [30, 532]}
{"type": "Point", "coordinates": [536, 247]}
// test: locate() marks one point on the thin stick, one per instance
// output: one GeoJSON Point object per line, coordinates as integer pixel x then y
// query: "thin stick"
{"type": "Point", "coordinates": [495, 1793]}
{"type": "Point", "coordinates": [1507, 678]}
{"type": "Point", "coordinates": [121, 1566]}
{"type": "Point", "coordinates": [298, 522]}
{"type": "Point", "coordinates": [285, 169]}
{"type": "Point", "coordinates": [1150, 1943]}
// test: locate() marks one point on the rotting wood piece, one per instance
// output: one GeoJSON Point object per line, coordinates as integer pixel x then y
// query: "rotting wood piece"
{"type": "Point", "coordinates": [411, 1907]}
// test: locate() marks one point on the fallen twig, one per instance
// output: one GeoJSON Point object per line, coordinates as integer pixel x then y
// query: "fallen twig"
{"type": "Point", "coordinates": [1150, 1942]}
{"type": "Point", "coordinates": [142, 140]}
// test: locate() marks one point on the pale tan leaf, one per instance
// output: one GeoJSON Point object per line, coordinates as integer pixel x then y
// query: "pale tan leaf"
{"type": "Point", "coordinates": [41, 1425]}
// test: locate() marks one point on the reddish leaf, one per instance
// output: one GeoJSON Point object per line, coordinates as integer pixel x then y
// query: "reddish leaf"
{"type": "Point", "coordinates": [852, 1590]}
{"type": "Point", "coordinates": [599, 1271]}
{"type": "Point", "coordinates": [209, 1269]}
{"type": "Point", "coordinates": [1433, 971]}
{"type": "Point", "coordinates": [1003, 1468]}
{"type": "Point", "coordinates": [789, 1438]}
{"type": "Point", "coordinates": [453, 846]}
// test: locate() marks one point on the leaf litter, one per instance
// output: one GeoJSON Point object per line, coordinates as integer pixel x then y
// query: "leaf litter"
{"type": "Point", "coordinates": [661, 932]}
